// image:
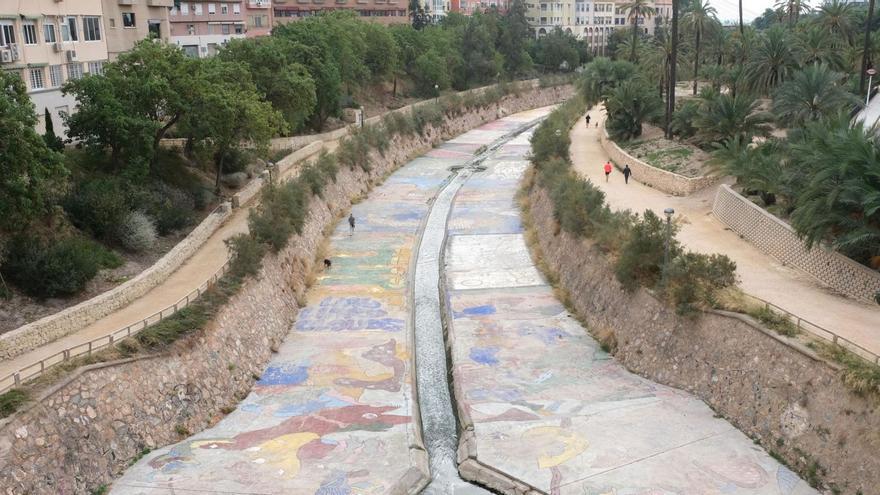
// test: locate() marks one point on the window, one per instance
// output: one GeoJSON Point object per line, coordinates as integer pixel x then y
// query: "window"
{"type": "Point", "coordinates": [56, 77]}
{"type": "Point", "coordinates": [74, 70]}
{"type": "Point", "coordinates": [96, 67]}
{"type": "Point", "coordinates": [224, 29]}
{"type": "Point", "coordinates": [224, 9]}
{"type": "Point", "coordinates": [155, 29]}
{"type": "Point", "coordinates": [236, 8]}
{"type": "Point", "coordinates": [49, 32]}
{"type": "Point", "coordinates": [184, 9]}
{"type": "Point", "coordinates": [198, 8]}
{"type": "Point", "coordinates": [191, 29]}
{"type": "Point", "coordinates": [128, 20]}
{"type": "Point", "coordinates": [239, 29]}
{"type": "Point", "coordinates": [92, 28]}
{"type": "Point", "coordinates": [212, 8]}
{"type": "Point", "coordinates": [37, 78]}
{"type": "Point", "coordinates": [258, 21]}
{"type": "Point", "coordinates": [7, 34]}
{"type": "Point", "coordinates": [112, 22]}
{"type": "Point", "coordinates": [68, 30]}
{"type": "Point", "coordinates": [29, 33]}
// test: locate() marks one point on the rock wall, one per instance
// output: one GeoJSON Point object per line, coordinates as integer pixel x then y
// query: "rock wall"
{"type": "Point", "coordinates": [672, 183]}
{"type": "Point", "coordinates": [85, 431]}
{"type": "Point", "coordinates": [772, 388]}
{"type": "Point", "coordinates": [778, 239]}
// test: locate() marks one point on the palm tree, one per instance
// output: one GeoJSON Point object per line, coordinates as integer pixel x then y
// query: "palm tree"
{"type": "Point", "coordinates": [741, 32]}
{"type": "Point", "coordinates": [700, 16]}
{"type": "Point", "coordinates": [757, 169]}
{"type": "Point", "coordinates": [839, 200]}
{"type": "Point", "coordinates": [866, 47]}
{"type": "Point", "coordinates": [635, 10]}
{"type": "Point", "coordinates": [771, 61]}
{"type": "Point", "coordinates": [724, 117]}
{"type": "Point", "coordinates": [836, 17]}
{"type": "Point", "coordinates": [629, 105]}
{"type": "Point", "coordinates": [815, 45]}
{"type": "Point", "coordinates": [673, 61]}
{"type": "Point", "coordinates": [811, 94]}
{"type": "Point", "coordinates": [792, 9]}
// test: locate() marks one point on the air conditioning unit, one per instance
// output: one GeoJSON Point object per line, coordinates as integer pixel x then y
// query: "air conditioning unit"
{"type": "Point", "coordinates": [13, 49]}
{"type": "Point", "coordinates": [71, 55]}
{"type": "Point", "coordinates": [57, 47]}
{"type": "Point", "coordinates": [5, 56]}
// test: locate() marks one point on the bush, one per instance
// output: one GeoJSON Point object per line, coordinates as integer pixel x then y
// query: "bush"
{"type": "Point", "coordinates": [138, 232]}
{"type": "Point", "coordinates": [281, 213]}
{"type": "Point", "coordinates": [99, 206]}
{"type": "Point", "coordinates": [682, 123]}
{"type": "Point", "coordinates": [354, 151]}
{"type": "Point", "coordinates": [694, 279]}
{"type": "Point", "coordinates": [171, 208]}
{"type": "Point", "coordinates": [427, 114]}
{"type": "Point", "coordinates": [11, 401]}
{"type": "Point", "coordinates": [641, 257]}
{"type": "Point", "coordinates": [397, 123]}
{"type": "Point", "coordinates": [236, 160]}
{"type": "Point", "coordinates": [235, 180]}
{"type": "Point", "coordinates": [247, 255]}
{"type": "Point", "coordinates": [327, 165]}
{"type": "Point", "coordinates": [57, 267]}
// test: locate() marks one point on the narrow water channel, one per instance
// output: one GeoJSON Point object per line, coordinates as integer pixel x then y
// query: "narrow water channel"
{"type": "Point", "coordinates": [439, 422]}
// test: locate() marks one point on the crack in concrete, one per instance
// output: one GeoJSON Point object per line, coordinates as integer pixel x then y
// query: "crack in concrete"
{"type": "Point", "coordinates": [438, 419]}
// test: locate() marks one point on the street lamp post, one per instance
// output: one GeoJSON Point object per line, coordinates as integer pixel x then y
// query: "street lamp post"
{"type": "Point", "coordinates": [870, 73]}
{"type": "Point", "coordinates": [669, 212]}
{"type": "Point", "coordinates": [437, 92]}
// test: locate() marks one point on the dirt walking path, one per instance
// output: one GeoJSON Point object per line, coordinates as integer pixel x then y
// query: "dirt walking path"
{"type": "Point", "coordinates": [760, 275]}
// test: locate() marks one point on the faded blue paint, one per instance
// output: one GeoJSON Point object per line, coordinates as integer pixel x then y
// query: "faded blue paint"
{"type": "Point", "coordinates": [284, 375]}
{"type": "Point", "coordinates": [485, 355]}
{"type": "Point", "coordinates": [484, 310]}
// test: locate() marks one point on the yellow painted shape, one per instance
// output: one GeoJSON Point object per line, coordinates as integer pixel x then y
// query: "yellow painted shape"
{"type": "Point", "coordinates": [285, 449]}
{"type": "Point", "coordinates": [574, 445]}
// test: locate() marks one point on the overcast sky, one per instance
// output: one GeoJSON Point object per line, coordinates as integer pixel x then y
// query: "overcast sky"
{"type": "Point", "coordinates": [728, 10]}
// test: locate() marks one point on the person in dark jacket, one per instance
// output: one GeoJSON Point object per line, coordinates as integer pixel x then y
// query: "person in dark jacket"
{"type": "Point", "coordinates": [626, 173]}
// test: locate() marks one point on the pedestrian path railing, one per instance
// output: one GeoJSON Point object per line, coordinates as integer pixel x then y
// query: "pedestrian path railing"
{"type": "Point", "coordinates": [39, 367]}
{"type": "Point", "coordinates": [818, 331]}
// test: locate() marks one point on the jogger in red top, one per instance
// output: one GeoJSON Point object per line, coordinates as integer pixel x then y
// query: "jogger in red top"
{"type": "Point", "coordinates": [607, 170]}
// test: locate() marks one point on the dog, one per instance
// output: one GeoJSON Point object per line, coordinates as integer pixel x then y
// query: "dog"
{"type": "Point", "coordinates": [327, 264]}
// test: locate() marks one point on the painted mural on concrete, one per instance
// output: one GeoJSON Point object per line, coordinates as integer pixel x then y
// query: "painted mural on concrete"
{"type": "Point", "coordinates": [332, 412]}
{"type": "Point", "coordinates": [548, 405]}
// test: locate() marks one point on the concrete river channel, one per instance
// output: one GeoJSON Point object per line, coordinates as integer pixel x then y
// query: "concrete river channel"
{"type": "Point", "coordinates": [434, 351]}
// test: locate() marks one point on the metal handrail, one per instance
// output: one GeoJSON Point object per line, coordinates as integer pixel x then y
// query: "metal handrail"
{"type": "Point", "coordinates": [820, 331]}
{"type": "Point", "coordinates": [33, 370]}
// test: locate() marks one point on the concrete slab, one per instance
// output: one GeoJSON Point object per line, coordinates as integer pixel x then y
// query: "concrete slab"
{"type": "Point", "coordinates": [544, 404]}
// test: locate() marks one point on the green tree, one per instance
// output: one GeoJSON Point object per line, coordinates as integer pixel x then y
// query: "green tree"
{"type": "Point", "coordinates": [635, 10]}
{"type": "Point", "coordinates": [840, 198]}
{"type": "Point", "coordinates": [557, 50]}
{"type": "Point", "coordinates": [420, 19]}
{"type": "Point", "coordinates": [52, 141]}
{"type": "Point", "coordinates": [131, 107]}
{"type": "Point", "coordinates": [757, 169]}
{"type": "Point", "coordinates": [275, 68]}
{"type": "Point", "coordinates": [700, 17]}
{"type": "Point", "coordinates": [629, 105]}
{"type": "Point", "coordinates": [813, 93]}
{"type": "Point", "coordinates": [32, 173]}
{"type": "Point", "coordinates": [724, 117]}
{"type": "Point", "coordinates": [480, 62]}
{"type": "Point", "coordinates": [836, 17]}
{"type": "Point", "coordinates": [227, 111]}
{"type": "Point", "coordinates": [430, 73]}
{"type": "Point", "coordinates": [816, 45]}
{"type": "Point", "coordinates": [601, 76]}
{"type": "Point", "coordinates": [771, 61]}
{"type": "Point", "coordinates": [513, 37]}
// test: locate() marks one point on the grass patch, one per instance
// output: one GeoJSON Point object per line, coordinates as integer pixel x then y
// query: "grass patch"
{"type": "Point", "coordinates": [11, 401]}
{"type": "Point", "coordinates": [861, 376]}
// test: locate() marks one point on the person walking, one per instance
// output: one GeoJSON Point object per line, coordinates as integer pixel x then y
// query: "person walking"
{"type": "Point", "coordinates": [588, 120]}
{"type": "Point", "coordinates": [351, 223]}
{"type": "Point", "coordinates": [626, 173]}
{"type": "Point", "coordinates": [607, 170]}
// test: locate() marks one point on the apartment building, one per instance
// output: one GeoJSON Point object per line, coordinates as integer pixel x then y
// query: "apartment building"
{"type": "Point", "coordinates": [468, 7]}
{"type": "Point", "coordinates": [48, 42]}
{"type": "Point", "coordinates": [381, 11]}
{"type": "Point", "coordinates": [201, 28]}
{"type": "Point", "coordinates": [128, 21]}
{"type": "Point", "coordinates": [590, 20]}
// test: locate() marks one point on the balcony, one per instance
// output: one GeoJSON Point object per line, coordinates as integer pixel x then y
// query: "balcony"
{"type": "Point", "coordinates": [160, 3]}
{"type": "Point", "coordinates": [259, 4]}
{"type": "Point", "coordinates": [125, 2]}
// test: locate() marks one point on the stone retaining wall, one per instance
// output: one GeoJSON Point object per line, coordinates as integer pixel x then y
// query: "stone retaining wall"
{"type": "Point", "coordinates": [677, 185]}
{"type": "Point", "coordinates": [772, 388]}
{"type": "Point", "coordinates": [778, 239]}
{"type": "Point", "coordinates": [85, 432]}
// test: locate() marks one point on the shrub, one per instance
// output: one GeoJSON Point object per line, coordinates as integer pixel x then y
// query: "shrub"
{"type": "Point", "coordinates": [171, 207]}
{"type": "Point", "coordinates": [236, 160]}
{"type": "Point", "coordinates": [280, 214]}
{"type": "Point", "coordinates": [397, 123]}
{"type": "Point", "coordinates": [641, 256]}
{"type": "Point", "coordinates": [11, 401]}
{"type": "Point", "coordinates": [58, 267]}
{"type": "Point", "coordinates": [682, 123]}
{"type": "Point", "coordinates": [235, 180]}
{"type": "Point", "coordinates": [775, 321]}
{"type": "Point", "coordinates": [354, 151]}
{"type": "Point", "coordinates": [693, 280]}
{"type": "Point", "coordinates": [327, 165]}
{"type": "Point", "coordinates": [138, 232]}
{"type": "Point", "coordinates": [247, 255]}
{"type": "Point", "coordinates": [99, 206]}
{"type": "Point", "coordinates": [313, 179]}
{"type": "Point", "coordinates": [427, 114]}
